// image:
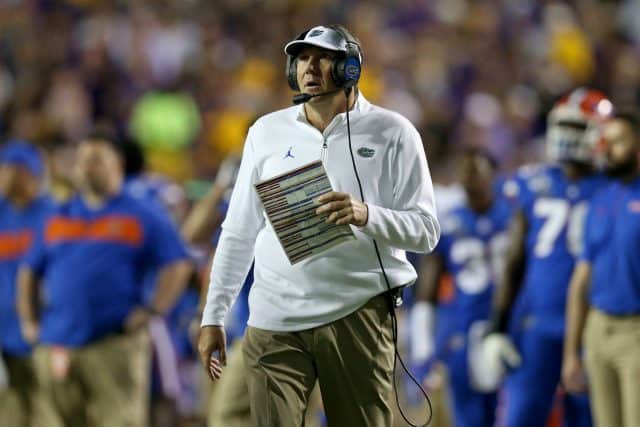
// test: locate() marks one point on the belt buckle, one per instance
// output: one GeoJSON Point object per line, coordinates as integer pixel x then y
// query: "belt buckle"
{"type": "Point", "coordinates": [396, 296]}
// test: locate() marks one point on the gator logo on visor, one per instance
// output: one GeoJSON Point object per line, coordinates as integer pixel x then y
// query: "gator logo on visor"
{"type": "Point", "coordinates": [315, 33]}
{"type": "Point", "coordinates": [366, 152]}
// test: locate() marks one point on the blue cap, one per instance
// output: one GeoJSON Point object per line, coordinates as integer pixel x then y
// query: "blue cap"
{"type": "Point", "coordinates": [21, 153]}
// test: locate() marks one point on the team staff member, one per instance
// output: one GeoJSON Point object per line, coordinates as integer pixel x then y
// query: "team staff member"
{"type": "Point", "coordinates": [606, 285]}
{"type": "Point", "coordinates": [91, 256]}
{"type": "Point", "coordinates": [23, 208]}
{"type": "Point", "coordinates": [326, 318]}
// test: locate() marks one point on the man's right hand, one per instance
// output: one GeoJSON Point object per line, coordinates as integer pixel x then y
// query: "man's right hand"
{"type": "Point", "coordinates": [574, 377]}
{"type": "Point", "coordinates": [212, 339]}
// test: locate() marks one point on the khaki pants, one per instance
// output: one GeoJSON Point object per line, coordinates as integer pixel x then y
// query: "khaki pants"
{"type": "Point", "coordinates": [230, 400]}
{"type": "Point", "coordinates": [18, 402]}
{"type": "Point", "coordinates": [612, 358]}
{"type": "Point", "coordinates": [352, 359]}
{"type": "Point", "coordinates": [105, 383]}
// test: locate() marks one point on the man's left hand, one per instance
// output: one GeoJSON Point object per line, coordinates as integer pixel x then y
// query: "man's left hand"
{"type": "Point", "coordinates": [343, 209]}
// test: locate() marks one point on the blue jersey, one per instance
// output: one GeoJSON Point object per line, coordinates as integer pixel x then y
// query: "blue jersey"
{"type": "Point", "coordinates": [473, 247]}
{"type": "Point", "coordinates": [612, 233]}
{"type": "Point", "coordinates": [92, 262]}
{"type": "Point", "coordinates": [554, 208]}
{"type": "Point", "coordinates": [154, 191]}
{"type": "Point", "coordinates": [151, 188]}
{"type": "Point", "coordinates": [18, 228]}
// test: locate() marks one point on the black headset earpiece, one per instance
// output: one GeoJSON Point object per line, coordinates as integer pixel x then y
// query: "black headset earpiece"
{"type": "Point", "coordinates": [345, 70]}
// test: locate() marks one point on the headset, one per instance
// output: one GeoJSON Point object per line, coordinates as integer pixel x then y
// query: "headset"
{"type": "Point", "coordinates": [345, 70]}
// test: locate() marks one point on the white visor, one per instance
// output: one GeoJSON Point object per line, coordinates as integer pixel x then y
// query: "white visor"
{"type": "Point", "coordinates": [322, 37]}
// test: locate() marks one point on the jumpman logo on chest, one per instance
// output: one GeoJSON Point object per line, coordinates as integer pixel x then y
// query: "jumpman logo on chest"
{"type": "Point", "coordinates": [289, 154]}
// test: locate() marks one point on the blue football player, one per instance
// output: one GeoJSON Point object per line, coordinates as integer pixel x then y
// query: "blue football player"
{"type": "Point", "coordinates": [545, 238]}
{"type": "Point", "coordinates": [471, 248]}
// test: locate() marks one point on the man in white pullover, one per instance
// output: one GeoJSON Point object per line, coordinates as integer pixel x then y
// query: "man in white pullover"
{"type": "Point", "coordinates": [328, 317]}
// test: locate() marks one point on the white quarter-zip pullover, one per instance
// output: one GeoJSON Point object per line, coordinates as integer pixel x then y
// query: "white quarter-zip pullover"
{"type": "Point", "coordinates": [398, 192]}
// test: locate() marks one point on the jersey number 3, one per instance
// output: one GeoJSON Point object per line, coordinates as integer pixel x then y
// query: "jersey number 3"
{"type": "Point", "coordinates": [480, 262]}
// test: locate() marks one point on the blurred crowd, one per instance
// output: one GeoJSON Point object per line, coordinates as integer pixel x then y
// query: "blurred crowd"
{"type": "Point", "coordinates": [185, 78]}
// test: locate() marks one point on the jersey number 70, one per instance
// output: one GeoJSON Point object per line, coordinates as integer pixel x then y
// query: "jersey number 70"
{"type": "Point", "coordinates": [558, 215]}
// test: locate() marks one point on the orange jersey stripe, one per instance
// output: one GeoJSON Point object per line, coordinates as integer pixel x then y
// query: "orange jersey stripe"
{"type": "Point", "coordinates": [116, 228]}
{"type": "Point", "coordinates": [15, 244]}
{"type": "Point", "coordinates": [119, 229]}
{"type": "Point", "coordinates": [59, 229]}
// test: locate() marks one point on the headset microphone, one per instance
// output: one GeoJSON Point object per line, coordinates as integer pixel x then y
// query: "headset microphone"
{"type": "Point", "coordinates": [301, 98]}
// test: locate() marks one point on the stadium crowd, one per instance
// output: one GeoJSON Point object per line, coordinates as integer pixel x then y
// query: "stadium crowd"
{"type": "Point", "coordinates": [170, 88]}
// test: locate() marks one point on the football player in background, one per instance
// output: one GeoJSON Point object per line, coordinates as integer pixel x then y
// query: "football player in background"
{"type": "Point", "coordinates": [545, 238]}
{"type": "Point", "coordinates": [471, 248]}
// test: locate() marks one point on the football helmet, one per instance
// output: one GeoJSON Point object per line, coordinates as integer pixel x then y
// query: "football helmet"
{"type": "Point", "coordinates": [574, 126]}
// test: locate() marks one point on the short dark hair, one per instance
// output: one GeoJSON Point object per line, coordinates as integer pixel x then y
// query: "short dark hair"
{"type": "Point", "coordinates": [473, 151]}
{"type": "Point", "coordinates": [134, 158]}
{"type": "Point", "coordinates": [128, 150]}
{"type": "Point", "coordinates": [349, 36]}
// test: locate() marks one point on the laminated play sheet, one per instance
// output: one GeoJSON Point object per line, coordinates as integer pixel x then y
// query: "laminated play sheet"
{"type": "Point", "coordinates": [288, 200]}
